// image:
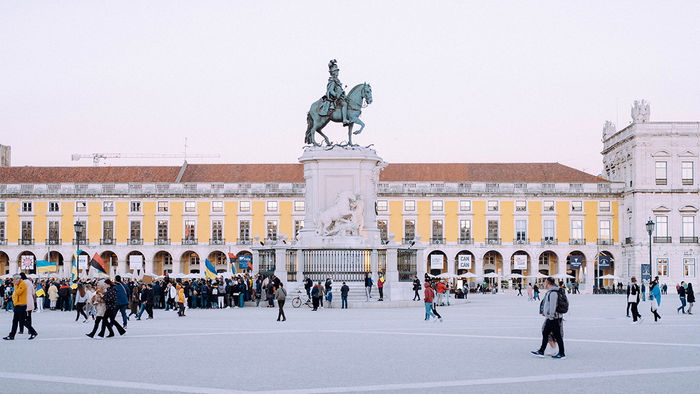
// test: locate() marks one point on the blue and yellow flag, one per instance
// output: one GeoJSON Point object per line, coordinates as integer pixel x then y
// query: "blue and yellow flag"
{"type": "Point", "coordinates": [232, 260]}
{"type": "Point", "coordinates": [209, 270]}
{"type": "Point", "coordinates": [45, 266]}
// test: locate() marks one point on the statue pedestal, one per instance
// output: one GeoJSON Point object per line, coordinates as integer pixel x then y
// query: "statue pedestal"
{"type": "Point", "coordinates": [332, 174]}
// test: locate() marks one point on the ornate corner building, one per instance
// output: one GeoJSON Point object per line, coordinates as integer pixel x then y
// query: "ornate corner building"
{"type": "Point", "coordinates": [511, 219]}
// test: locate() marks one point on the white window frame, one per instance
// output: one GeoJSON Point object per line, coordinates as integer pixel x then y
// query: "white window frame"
{"type": "Point", "coordinates": [688, 262]}
{"type": "Point", "coordinates": [465, 205]}
{"type": "Point", "coordinates": [664, 227]}
{"type": "Point", "coordinates": [685, 179]}
{"type": "Point", "coordinates": [272, 206]}
{"type": "Point", "coordinates": [601, 229]}
{"type": "Point", "coordinates": [545, 203]}
{"type": "Point", "coordinates": [194, 206]}
{"type": "Point", "coordinates": [246, 204]}
{"type": "Point", "coordinates": [214, 204]}
{"type": "Point", "coordinates": [488, 206]}
{"type": "Point", "coordinates": [583, 230]}
{"type": "Point", "coordinates": [382, 205]}
{"type": "Point", "coordinates": [662, 262]}
{"type": "Point", "coordinates": [687, 219]}
{"type": "Point", "coordinates": [407, 204]}
{"type": "Point", "coordinates": [577, 206]}
{"type": "Point", "coordinates": [27, 204]}
{"type": "Point", "coordinates": [439, 204]}
{"type": "Point", "coordinates": [104, 205]}
{"type": "Point", "coordinates": [299, 206]}
{"type": "Point", "coordinates": [523, 205]}
{"type": "Point", "coordinates": [658, 167]}
{"type": "Point", "coordinates": [554, 228]}
{"type": "Point", "coordinates": [166, 207]}
{"type": "Point", "coordinates": [135, 206]}
{"type": "Point", "coordinates": [57, 204]}
{"type": "Point", "coordinates": [602, 208]}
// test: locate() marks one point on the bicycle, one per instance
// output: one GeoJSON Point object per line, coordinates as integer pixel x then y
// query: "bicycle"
{"type": "Point", "coordinates": [297, 300]}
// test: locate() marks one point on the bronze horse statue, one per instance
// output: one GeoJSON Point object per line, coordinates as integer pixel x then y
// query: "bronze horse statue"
{"type": "Point", "coordinates": [356, 101]}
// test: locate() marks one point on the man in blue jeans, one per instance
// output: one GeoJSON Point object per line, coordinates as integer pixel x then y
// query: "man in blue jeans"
{"type": "Point", "coordinates": [122, 298]}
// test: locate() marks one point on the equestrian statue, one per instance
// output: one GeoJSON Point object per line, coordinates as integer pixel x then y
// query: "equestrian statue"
{"type": "Point", "coordinates": [337, 107]}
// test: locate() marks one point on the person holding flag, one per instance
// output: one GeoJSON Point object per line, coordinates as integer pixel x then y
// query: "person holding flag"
{"type": "Point", "coordinates": [209, 270]}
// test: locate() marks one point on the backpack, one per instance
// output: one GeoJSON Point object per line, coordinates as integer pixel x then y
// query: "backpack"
{"type": "Point", "coordinates": [562, 302]}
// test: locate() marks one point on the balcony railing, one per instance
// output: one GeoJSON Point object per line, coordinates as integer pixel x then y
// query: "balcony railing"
{"type": "Point", "coordinates": [689, 240]}
{"type": "Point", "coordinates": [520, 241]}
{"type": "Point", "coordinates": [408, 240]}
{"type": "Point", "coordinates": [189, 241]}
{"type": "Point", "coordinates": [466, 241]}
{"type": "Point", "coordinates": [106, 241]}
{"type": "Point", "coordinates": [161, 241]}
{"type": "Point", "coordinates": [662, 240]}
{"type": "Point", "coordinates": [628, 241]}
{"type": "Point", "coordinates": [493, 241]}
{"type": "Point", "coordinates": [135, 241]}
{"type": "Point", "coordinates": [83, 241]}
{"type": "Point", "coordinates": [577, 241]}
{"type": "Point", "coordinates": [3, 242]}
{"type": "Point", "coordinates": [26, 241]}
{"type": "Point", "coordinates": [437, 240]}
{"type": "Point", "coordinates": [244, 241]}
{"type": "Point", "coordinates": [217, 241]}
{"type": "Point", "coordinates": [53, 241]}
{"type": "Point", "coordinates": [605, 241]}
{"type": "Point", "coordinates": [549, 241]}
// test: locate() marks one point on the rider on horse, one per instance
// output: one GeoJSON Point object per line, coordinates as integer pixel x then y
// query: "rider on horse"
{"type": "Point", "coordinates": [335, 94]}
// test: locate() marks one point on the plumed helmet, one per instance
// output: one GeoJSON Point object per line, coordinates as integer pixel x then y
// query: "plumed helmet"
{"type": "Point", "coordinates": [332, 65]}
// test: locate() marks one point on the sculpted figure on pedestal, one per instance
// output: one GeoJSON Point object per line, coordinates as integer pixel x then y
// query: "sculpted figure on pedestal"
{"type": "Point", "coordinates": [344, 218]}
{"type": "Point", "coordinates": [337, 107]}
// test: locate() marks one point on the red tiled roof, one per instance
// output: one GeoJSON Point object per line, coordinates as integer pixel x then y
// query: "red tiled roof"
{"type": "Point", "coordinates": [486, 172]}
{"type": "Point", "coordinates": [260, 173]}
{"type": "Point", "coordinates": [137, 174]}
{"type": "Point", "coordinates": [239, 173]}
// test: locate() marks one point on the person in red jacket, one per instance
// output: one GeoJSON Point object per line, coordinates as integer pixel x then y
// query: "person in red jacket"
{"type": "Point", "coordinates": [428, 299]}
{"type": "Point", "coordinates": [441, 292]}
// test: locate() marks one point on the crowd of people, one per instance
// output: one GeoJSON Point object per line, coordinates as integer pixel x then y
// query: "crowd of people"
{"type": "Point", "coordinates": [637, 294]}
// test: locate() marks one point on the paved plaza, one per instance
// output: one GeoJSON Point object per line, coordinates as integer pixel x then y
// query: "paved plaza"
{"type": "Point", "coordinates": [481, 346]}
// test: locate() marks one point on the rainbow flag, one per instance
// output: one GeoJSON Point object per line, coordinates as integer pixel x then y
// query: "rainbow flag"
{"type": "Point", "coordinates": [209, 270]}
{"type": "Point", "coordinates": [45, 266]}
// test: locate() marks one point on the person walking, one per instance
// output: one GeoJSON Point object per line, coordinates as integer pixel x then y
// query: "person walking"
{"type": "Point", "coordinates": [281, 297]}
{"type": "Point", "coordinates": [536, 292]}
{"type": "Point", "coordinates": [81, 298]}
{"type": "Point", "coordinates": [31, 298]}
{"type": "Point", "coordinates": [655, 298]}
{"type": "Point", "coordinates": [633, 297]}
{"type": "Point", "coordinates": [315, 297]}
{"type": "Point", "coordinates": [428, 296]}
{"type": "Point", "coordinates": [629, 304]}
{"type": "Point", "coordinates": [344, 290]}
{"type": "Point", "coordinates": [110, 299]}
{"type": "Point", "coordinates": [416, 289]}
{"type": "Point", "coordinates": [552, 323]}
{"type": "Point", "coordinates": [690, 297]}
{"type": "Point", "coordinates": [19, 317]}
{"type": "Point", "coordinates": [123, 294]}
{"type": "Point", "coordinates": [529, 292]}
{"type": "Point", "coordinates": [180, 301]}
{"type": "Point", "coordinates": [520, 289]}
{"type": "Point", "coordinates": [368, 287]}
{"type": "Point", "coordinates": [100, 312]}
{"type": "Point", "coordinates": [681, 295]}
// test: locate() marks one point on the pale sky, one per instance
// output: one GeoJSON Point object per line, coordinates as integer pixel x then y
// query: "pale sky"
{"type": "Point", "coordinates": [452, 81]}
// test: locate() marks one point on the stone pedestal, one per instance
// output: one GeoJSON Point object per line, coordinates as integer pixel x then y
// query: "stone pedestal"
{"type": "Point", "coordinates": [333, 174]}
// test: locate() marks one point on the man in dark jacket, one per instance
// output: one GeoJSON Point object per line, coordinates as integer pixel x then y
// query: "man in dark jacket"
{"type": "Point", "coordinates": [122, 292]}
{"type": "Point", "coordinates": [344, 290]}
{"type": "Point", "coordinates": [681, 295]}
{"type": "Point", "coordinates": [308, 283]}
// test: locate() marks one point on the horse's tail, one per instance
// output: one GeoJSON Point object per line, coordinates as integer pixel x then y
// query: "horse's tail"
{"type": "Point", "coordinates": [309, 126]}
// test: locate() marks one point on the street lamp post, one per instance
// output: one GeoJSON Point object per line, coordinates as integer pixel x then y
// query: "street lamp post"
{"type": "Point", "coordinates": [650, 229]}
{"type": "Point", "coordinates": [78, 227]}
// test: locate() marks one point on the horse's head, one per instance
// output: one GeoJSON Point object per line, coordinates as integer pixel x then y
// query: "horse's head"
{"type": "Point", "coordinates": [367, 92]}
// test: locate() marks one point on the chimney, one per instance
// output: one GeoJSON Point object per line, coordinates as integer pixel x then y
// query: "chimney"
{"type": "Point", "coordinates": [5, 156]}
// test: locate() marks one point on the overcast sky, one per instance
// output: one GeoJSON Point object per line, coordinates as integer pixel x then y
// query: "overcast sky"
{"type": "Point", "coordinates": [452, 81]}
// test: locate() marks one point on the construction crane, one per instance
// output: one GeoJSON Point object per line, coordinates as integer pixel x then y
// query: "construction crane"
{"type": "Point", "coordinates": [97, 157]}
